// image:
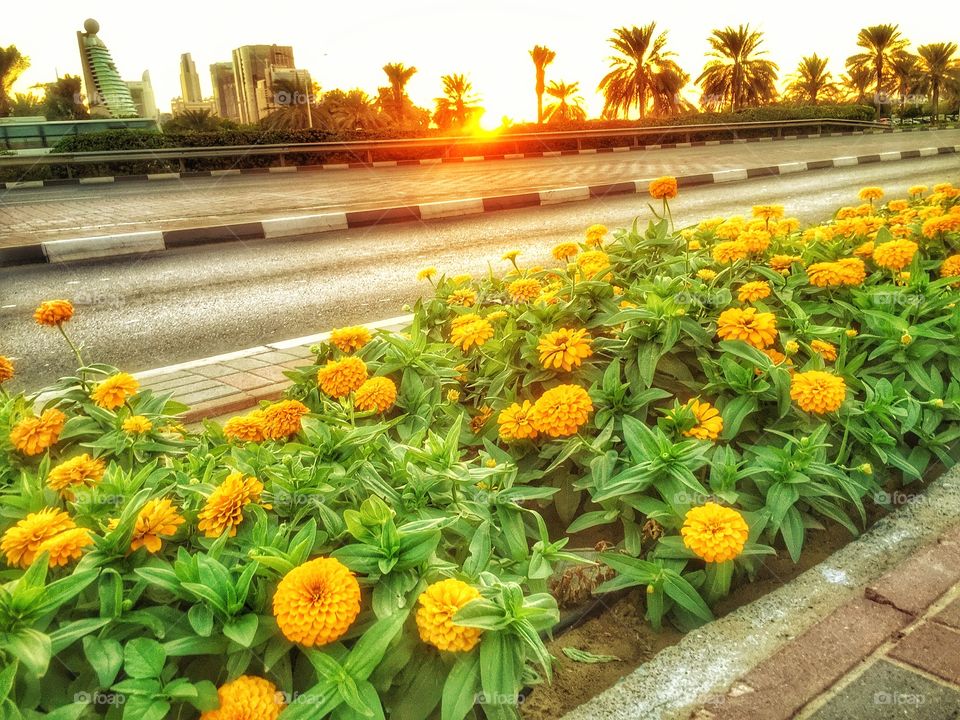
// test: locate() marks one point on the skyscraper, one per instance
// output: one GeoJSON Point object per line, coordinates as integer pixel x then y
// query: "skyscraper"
{"type": "Point", "coordinates": [142, 93]}
{"type": "Point", "coordinates": [252, 65]}
{"type": "Point", "coordinates": [189, 80]}
{"type": "Point", "coordinates": [224, 90]}
{"type": "Point", "coordinates": [107, 94]}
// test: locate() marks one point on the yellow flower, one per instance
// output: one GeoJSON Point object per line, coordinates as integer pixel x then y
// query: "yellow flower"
{"type": "Point", "coordinates": [709, 422]}
{"type": "Point", "coordinates": [524, 290]}
{"type": "Point", "coordinates": [852, 271]}
{"type": "Point", "coordinates": [510, 255]}
{"type": "Point", "coordinates": [33, 435]}
{"type": "Point", "coordinates": [780, 263]}
{"type": "Point", "coordinates": [753, 291]}
{"type": "Point", "coordinates": [496, 315]}
{"type": "Point", "coordinates": [137, 425]}
{"type": "Point", "coordinates": [66, 546]}
{"type": "Point", "coordinates": [565, 251]}
{"type": "Point", "coordinates": [755, 328]}
{"type": "Point", "coordinates": [791, 347]}
{"type": "Point", "coordinates": [865, 251]}
{"type": "Point", "coordinates": [470, 329]}
{"type": "Point", "coordinates": [851, 333]}
{"type": "Point", "coordinates": [223, 511]}
{"type": "Point", "coordinates": [729, 229]}
{"type": "Point", "coordinates": [663, 188]}
{"type": "Point", "coordinates": [53, 312]}
{"type": "Point", "coordinates": [756, 241]}
{"type": "Point", "coordinates": [463, 298]}
{"type": "Point", "coordinates": [818, 392]}
{"type": "Point", "coordinates": [564, 349]}
{"type": "Point", "coordinates": [561, 411]}
{"type": "Point", "coordinates": [706, 274]}
{"type": "Point", "coordinates": [247, 698]}
{"type": "Point", "coordinates": [282, 419]}
{"type": "Point", "coordinates": [377, 393]}
{"type": "Point", "coordinates": [516, 422]}
{"type": "Point", "coordinates": [768, 212]}
{"type": "Point", "coordinates": [776, 357]}
{"type": "Point", "coordinates": [246, 428]}
{"type": "Point", "coordinates": [438, 604]}
{"type": "Point", "coordinates": [898, 205]}
{"type": "Point", "coordinates": [453, 396]}
{"type": "Point", "coordinates": [80, 471]}
{"type": "Point", "coordinates": [906, 339]}
{"type": "Point", "coordinates": [460, 279]}
{"type": "Point", "coordinates": [427, 273]}
{"type": "Point", "coordinates": [940, 225]}
{"type": "Point", "coordinates": [710, 224]}
{"type": "Point", "coordinates": [6, 369]}
{"type": "Point", "coordinates": [714, 533]}
{"type": "Point", "coordinates": [114, 391]}
{"type": "Point", "coordinates": [951, 268]}
{"type": "Point", "coordinates": [870, 193]}
{"type": "Point", "coordinates": [730, 251]}
{"type": "Point", "coordinates": [915, 190]}
{"type": "Point", "coordinates": [339, 378]}
{"type": "Point", "coordinates": [595, 234]}
{"type": "Point", "coordinates": [592, 262]}
{"type": "Point", "coordinates": [21, 543]}
{"type": "Point", "coordinates": [895, 254]}
{"type": "Point", "coordinates": [693, 245]}
{"type": "Point", "coordinates": [350, 339]}
{"type": "Point", "coordinates": [849, 271]}
{"type": "Point", "coordinates": [480, 419]}
{"type": "Point", "coordinates": [317, 602]}
{"type": "Point", "coordinates": [824, 349]}
{"type": "Point", "coordinates": [787, 226]}
{"type": "Point", "coordinates": [157, 519]}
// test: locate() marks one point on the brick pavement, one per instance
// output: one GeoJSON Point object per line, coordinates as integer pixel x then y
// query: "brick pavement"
{"type": "Point", "coordinates": [30, 216]}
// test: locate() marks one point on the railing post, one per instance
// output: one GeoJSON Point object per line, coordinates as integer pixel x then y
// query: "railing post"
{"type": "Point", "coordinates": [183, 165]}
{"type": "Point", "coordinates": [69, 171]}
{"type": "Point", "coordinates": [369, 157]}
{"type": "Point", "coordinates": [282, 162]}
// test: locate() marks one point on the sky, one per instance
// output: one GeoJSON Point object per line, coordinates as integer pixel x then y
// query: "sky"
{"type": "Point", "coordinates": [345, 44]}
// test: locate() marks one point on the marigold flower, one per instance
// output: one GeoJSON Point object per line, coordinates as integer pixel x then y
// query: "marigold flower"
{"type": "Point", "coordinates": [516, 422]}
{"type": "Point", "coordinates": [282, 419]}
{"type": "Point", "coordinates": [870, 193]}
{"type": "Point", "coordinates": [940, 225]}
{"type": "Point", "coordinates": [851, 332]}
{"type": "Point", "coordinates": [756, 241]}
{"type": "Point", "coordinates": [564, 251]}
{"type": "Point", "coordinates": [247, 698]}
{"type": "Point", "coordinates": [223, 511]}
{"type": "Point", "coordinates": [80, 471]}
{"type": "Point", "coordinates": [824, 349]}
{"type": "Point", "coordinates": [951, 268]}
{"type": "Point", "coordinates": [852, 271]}
{"type": "Point", "coordinates": [427, 273]}
{"type": "Point", "coordinates": [461, 279]}
{"type": "Point", "coordinates": [453, 396]}
{"type": "Point", "coordinates": [755, 328]}
{"type": "Point", "coordinates": [157, 519]}
{"type": "Point", "coordinates": [915, 190]}
{"type": "Point", "coordinates": [114, 391]}
{"type": "Point", "coordinates": [245, 428]}
{"type": "Point", "coordinates": [729, 229]}
{"type": "Point", "coordinates": [714, 533]}
{"type": "Point", "coordinates": [21, 542]}
{"type": "Point", "coordinates": [768, 212]}
{"type": "Point", "coordinates": [438, 604]}
{"type": "Point", "coordinates": [350, 339]}
{"type": "Point", "coordinates": [865, 250]}
{"type": "Point", "coordinates": [706, 274]}
{"type": "Point", "coordinates": [561, 411]}
{"type": "Point", "coordinates": [753, 291]}
{"type": "Point", "coordinates": [595, 235]}
{"type": "Point", "coordinates": [524, 289]}
{"type": "Point", "coordinates": [317, 602]}
{"type": "Point", "coordinates": [791, 347]}
{"type": "Point", "coordinates": [467, 330]}
{"type": "Point", "coordinates": [53, 312]}
{"type": "Point", "coordinates": [339, 378]}
{"type": "Point", "coordinates": [780, 263]}
{"type": "Point", "coordinates": [564, 349]}
{"type": "Point", "coordinates": [479, 420]}
{"type": "Point", "coordinates": [710, 224]}
{"type": "Point", "coordinates": [787, 226]}
{"type": "Point", "coordinates": [592, 262]}
{"type": "Point", "coordinates": [462, 298]}
{"type": "Point", "coordinates": [730, 251]}
{"type": "Point", "coordinates": [826, 274]}
{"type": "Point", "coordinates": [510, 255]}
{"type": "Point", "coordinates": [776, 357]}
{"type": "Point", "coordinates": [895, 254]}
{"type": "Point", "coordinates": [709, 422]}
{"type": "Point", "coordinates": [897, 205]}
{"type": "Point", "coordinates": [33, 435]}
{"type": "Point", "coordinates": [818, 392]}
{"type": "Point", "coordinates": [66, 546]}
{"type": "Point", "coordinates": [136, 425]}
{"type": "Point", "coordinates": [377, 393]}
{"type": "Point", "coordinates": [694, 245]}
{"type": "Point", "coordinates": [6, 369]}
{"type": "Point", "coordinates": [663, 188]}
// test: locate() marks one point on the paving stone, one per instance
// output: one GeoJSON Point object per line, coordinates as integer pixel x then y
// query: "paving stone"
{"type": "Point", "coordinates": [300, 351]}
{"type": "Point", "coordinates": [274, 357]}
{"type": "Point", "coordinates": [273, 373]}
{"type": "Point", "coordinates": [807, 666]}
{"type": "Point", "coordinates": [950, 615]}
{"type": "Point", "coordinates": [246, 363]}
{"type": "Point", "coordinates": [181, 385]}
{"type": "Point", "coordinates": [932, 647]}
{"type": "Point", "coordinates": [214, 370]}
{"type": "Point", "coordinates": [269, 392]}
{"type": "Point", "coordinates": [917, 582]}
{"type": "Point", "coordinates": [219, 407]}
{"type": "Point", "coordinates": [889, 692]}
{"type": "Point", "coordinates": [210, 393]}
{"type": "Point", "coordinates": [245, 380]}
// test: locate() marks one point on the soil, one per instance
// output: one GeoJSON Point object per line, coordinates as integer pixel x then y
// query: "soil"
{"type": "Point", "coordinates": [619, 629]}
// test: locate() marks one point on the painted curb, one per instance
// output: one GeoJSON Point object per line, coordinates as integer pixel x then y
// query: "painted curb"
{"type": "Point", "coordinates": [303, 225]}
{"type": "Point", "coordinates": [153, 177]}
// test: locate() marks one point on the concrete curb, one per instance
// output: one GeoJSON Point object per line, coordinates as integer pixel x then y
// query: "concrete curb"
{"type": "Point", "coordinates": [158, 240]}
{"type": "Point", "coordinates": [152, 177]}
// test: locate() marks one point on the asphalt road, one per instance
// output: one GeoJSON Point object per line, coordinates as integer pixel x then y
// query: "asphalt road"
{"type": "Point", "coordinates": [32, 215]}
{"type": "Point", "coordinates": [155, 310]}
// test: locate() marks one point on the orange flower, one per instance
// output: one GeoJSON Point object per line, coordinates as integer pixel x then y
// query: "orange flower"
{"type": "Point", "coordinates": [663, 188]}
{"type": "Point", "coordinates": [157, 519]}
{"type": "Point", "coordinates": [895, 254]}
{"type": "Point", "coordinates": [6, 369]}
{"type": "Point", "coordinates": [136, 425]}
{"type": "Point", "coordinates": [781, 263]}
{"type": "Point", "coordinates": [595, 235]}
{"type": "Point", "coordinates": [282, 419]}
{"type": "Point", "coordinates": [709, 422]}
{"type": "Point", "coordinates": [34, 435]}
{"type": "Point", "coordinates": [951, 268]}
{"type": "Point", "coordinates": [317, 602]}
{"type": "Point", "coordinates": [349, 339]}
{"type": "Point", "coordinates": [438, 605]}
{"type": "Point", "coordinates": [246, 428]}
{"type": "Point", "coordinates": [247, 698]}
{"type": "Point", "coordinates": [870, 193]}
{"type": "Point", "coordinates": [378, 393]}
{"type": "Point", "coordinates": [516, 422]}
{"type": "Point", "coordinates": [565, 251]}
{"type": "Point", "coordinates": [714, 533]}
{"type": "Point", "coordinates": [53, 312]}
{"type": "Point", "coordinates": [824, 349]}
{"type": "Point", "coordinates": [756, 241]}
{"type": "Point", "coordinates": [592, 262]}
{"type": "Point", "coordinates": [755, 328]}
{"type": "Point", "coordinates": [339, 378]}
{"type": "Point", "coordinates": [818, 392]}
{"type": "Point", "coordinates": [223, 511]}
{"type": "Point", "coordinates": [865, 251]}
{"type": "Point", "coordinates": [66, 546]}
{"type": "Point", "coordinates": [730, 251]}
{"type": "Point", "coordinates": [768, 212]}
{"type": "Point", "coordinates": [564, 349]}
{"type": "Point", "coordinates": [462, 298]}
{"type": "Point", "coordinates": [561, 411]}
{"type": "Point", "coordinates": [80, 471]}
{"type": "Point", "coordinates": [524, 290]}
{"type": "Point", "coordinates": [114, 391]}
{"type": "Point", "coordinates": [470, 329]}
{"type": "Point", "coordinates": [479, 420]}
{"type": "Point", "coordinates": [753, 291]}
{"type": "Point", "coordinates": [21, 543]}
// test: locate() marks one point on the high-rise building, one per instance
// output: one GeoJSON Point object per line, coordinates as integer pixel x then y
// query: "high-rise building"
{"type": "Point", "coordinates": [107, 94]}
{"type": "Point", "coordinates": [252, 65]}
{"type": "Point", "coordinates": [189, 80]}
{"type": "Point", "coordinates": [141, 91]}
{"type": "Point", "coordinates": [224, 90]}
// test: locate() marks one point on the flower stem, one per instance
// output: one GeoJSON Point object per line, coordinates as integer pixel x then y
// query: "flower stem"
{"type": "Point", "coordinates": [76, 350]}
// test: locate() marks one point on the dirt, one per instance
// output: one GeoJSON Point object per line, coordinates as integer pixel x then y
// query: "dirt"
{"type": "Point", "coordinates": [619, 629]}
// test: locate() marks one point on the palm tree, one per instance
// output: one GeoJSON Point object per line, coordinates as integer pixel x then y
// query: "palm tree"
{"type": "Point", "coordinates": [569, 105]}
{"type": "Point", "coordinates": [541, 56]}
{"type": "Point", "coordinates": [12, 65]}
{"type": "Point", "coordinates": [938, 67]}
{"type": "Point", "coordinates": [812, 79]}
{"type": "Point", "coordinates": [736, 75]}
{"type": "Point", "coordinates": [62, 99]}
{"type": "Point", "coordinates": [881, 43]}
{"type": "Point", "coordinates": [458, 105]}
{"type": "Point", "coordinates": [667, 99]}
{"type": "Point", "coordinates": [636, 69]}
{"type": "Point", "coordinates": [398, 75]}
{"type": "Point", "coordinates": [26, 105]}
{"type": "Point", "coordinates": [904, 75]}
{"type": "Point", "coordinates": [354, 110]}
{"type": "Point", "coordinates": [193, 121]}
{"type": "Point", "coordinates": [857, 81]}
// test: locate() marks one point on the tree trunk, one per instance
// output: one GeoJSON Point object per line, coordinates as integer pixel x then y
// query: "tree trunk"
{"type": "Point", "coordinates": [539, 108]}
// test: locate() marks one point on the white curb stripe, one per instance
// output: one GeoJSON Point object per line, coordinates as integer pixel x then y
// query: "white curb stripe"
{"type": "Point", "coordinates": [888, 156]}
{"type": "Point", "coordinates": [105, 180]}
{"type": "Point", "coordinates": [927, 152]}
{"type": "Point", "coordinates": [24, 184]}
{"type": "Point", "coordinates": [473, 158]}
{"type": "Point", "coordinates": [336, 166]}
{"type": "Point", "coordinates": [224, 173]}
{"type": "Point", "coordinates": [622, 148]}
{"type": "Point", "coordinates": [791, 167]}
{"type": "Point", "coordinates": [450, 208]}
{"type": "Point", "coordinates": [303, 225]}
{"type": "Point", "coordinates": [431, 161]}
{"type": "Point", "coordinates": [723, 176]}
{"type": "Point", "coordinates": [163, 176]}
{"type": "Point", "coordinates": [384, 163]}
{"type": "Point", "coordinates": [283, 169]}
{"type": "Point", "coordinates": [104, 246]}
{"type": "Point", "coordinates": [846, 161]}
{"type": "Point", "coordinates": [564, 195]}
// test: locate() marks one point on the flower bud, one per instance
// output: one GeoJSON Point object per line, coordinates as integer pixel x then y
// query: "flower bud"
{"type": "Point", "coordinates": [906, 339]}
{"type": "Point", "coordinates": [851, 333]}
{"type": "Point", "coordinates": [866, 469]}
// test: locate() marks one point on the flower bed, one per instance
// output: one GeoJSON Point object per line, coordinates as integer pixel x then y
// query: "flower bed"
{"type": "Point", "coordinates": [385, 541]}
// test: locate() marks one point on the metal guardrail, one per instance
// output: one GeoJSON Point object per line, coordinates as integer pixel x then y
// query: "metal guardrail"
{"type": "Point", "coordinates": [366, 149]}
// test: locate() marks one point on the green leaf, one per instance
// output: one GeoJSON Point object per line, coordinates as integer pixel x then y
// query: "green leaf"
{"type": "Point", "coordinates": [201, 620]}
{"type": "Point", "coordinates": [105, 657]}
{"type": "Point", "coordinates": [372, 645]}
{"type": "Point", "coordinates": [63, 637]}
{"type": "Point", "coordinates": [792, 530]}
{"type": "Point", "coordinates": [242, 630]}
{"type": "Point", "coordinates": [31, 647]}
{"type": "Point", "coordinates": [685, 595]}
{"type": "Point", "coordinates": [582, 656]}
{"type": "Point", "coordinates": [460, 689]}
{"type": "Point", "coordinates": [6, 679]}
{"type": "Point", "coordinates": [144, 658]}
